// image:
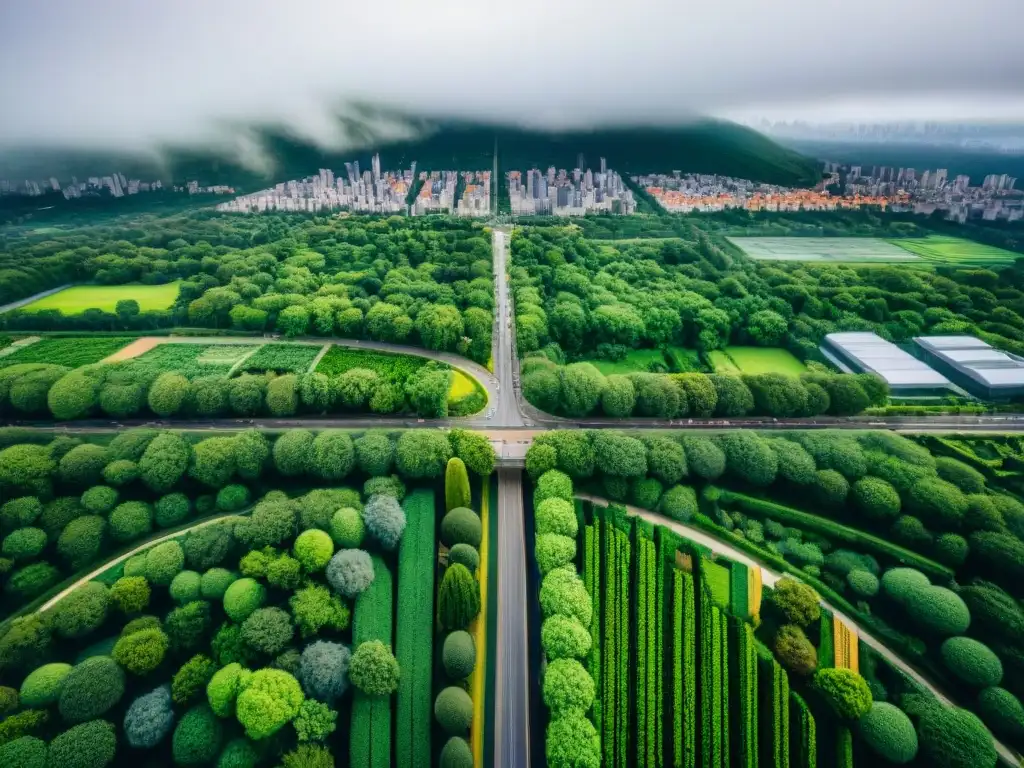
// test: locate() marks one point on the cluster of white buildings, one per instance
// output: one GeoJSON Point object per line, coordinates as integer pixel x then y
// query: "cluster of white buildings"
{"type": "Point", "coordinates": [370, 191]}
{"type": "Point", "coordinates": [933, 190]}
{"type": "Point", "coordinates": [559, 193]}
{"type": "Point", "coordinates": [115, 185]}
{"type": "Point", "coordinates": [439, 190]}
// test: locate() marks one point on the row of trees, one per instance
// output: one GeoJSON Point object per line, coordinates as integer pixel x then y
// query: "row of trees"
{"type": "Point", "coordinates": [580, 389]}
{"type": "Point", "coordinates": [131, 389]}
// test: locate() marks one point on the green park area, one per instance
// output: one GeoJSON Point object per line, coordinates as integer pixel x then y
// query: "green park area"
{"type": "Point", "coordinates": [755, 360]}
{"type": "Point", "coordinates": [72, 301]}
{"type": "Point", "coordinates": [933, 250]}
{"type": "Point", "coordinates": [635, 361]}
{"type": "Point", "coordinates": [955, 251]}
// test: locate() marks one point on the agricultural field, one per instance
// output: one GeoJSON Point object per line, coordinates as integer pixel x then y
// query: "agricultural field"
{"type": "Point", "coordinates": [282, 358]}
{"type": "Point", "coordinates": [196, 360]}
{"type": "Point", "coordinates": [69, 352]}
{"type": "Point", "coordinates": [845, 250]}
{"type": "Point", "coordinates": [916, 548]}
{"type": "Point", "coordinates": [756, 360]}
{"type": "Point", "coordinates": [635, 361]}
{"type": "Point", "coordinates": [955, 251]}
{"type": "Point", "coordinates": [269, 633]}
{"type": "Point", "coordinates": [77, 299]}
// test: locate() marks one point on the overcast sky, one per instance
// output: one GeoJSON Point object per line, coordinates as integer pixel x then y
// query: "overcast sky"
{"type": "Point", "coordinates": [132, 73]}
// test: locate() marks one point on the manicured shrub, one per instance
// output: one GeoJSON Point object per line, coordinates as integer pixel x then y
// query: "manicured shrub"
{"type": "Point", "coordinates": [213, 461]}
{"type": "Point", "coordinates": [465, 555]}
{"type": "Point", "coordinates": [993, 611]}
{"type": "Point", "coordinates": [938, 610]}
{"type": "Point", "coordinates": [938, 503]}
{"type": "Point", "coordinates": [554, 551]}
{"type": "Point", "coordinates": [268, 630]}
{"type": "Point", "coordinates": [168, 394]}
{"type": "Point", "coordinates": [332, 455]}
{"type": "Point", "coordinates": [269, 700]}
{"type": "Point", "coordinates": [215, 582]}
{"type": "Point", "coordinates": [963, 476]}
{"type": "Point", "coordinates": [572, 742]}
{"type": "Point", "coordinates": [347, 528]}
{"type": "Point", "coordinates": [422, 453]}
{"type": "Point", "coordinates": [955, 738]}
{"type": "Point", "coordinates": [239, 753]}
{"type": "Point", "coordinates": [120, 473]}
{"type": "Point", "coordinates": [271, 523]}
{"type": "Point", "coordinates": [197, 738]}
{"type": "Point", "coordinates": [323, 670]}
{"type": "Point", "coordinates": [242, 598]}
{"type": "Point", "coordinates": [88, 745]}
{"type": "Point", "coordinates": [81, 540]}
{"type": "Point", "coordinates": [972, 662]}
{"type": "Point", "coordinates": [232, 498]}
{"type": "Point", "coordinates": [458, 598]}
{"type": "Point", "coordinates": [135, 565]}
{"type": "Point", "coordinates": [164, 562]}
{"type": "Point", "coordinates": [749, 457]}
{"type": "Point", "coordinates": [208, 546]}
{"type": "Point", "coordinates": [563, 593]}
{"type": "Point", "coordinates": [140, 623]}
{"type": "Point", "coordinates": [795, 464]}
{"type": "Point", "coordinates": [82, 612]}
{"type": "Point", "coordinates": [224, 687]}
{"type": "Point", "coordinates": [43, 685]}
{"type": "Point", "coordinates": [679, 503]}
{"type": "Point", "coordinates": [1002, 712]}
{"type": "Point", "coordinates": [830, 487]}
{"type": "Point", "coordinates": [31, 581]}
{"type": "Point", "coordinates": [24, 544]}
{"type": "Point", "coordinates": [862, 583]}
{"type": "Point", "coordinates": [141, 652]}
{"type": "Point", "coordinates": [456, 485]}
{"type": "Point", "coordinates": [90, 689]}
{"type": "Point", "coordinates": [164, 462]}
{"type": "Point", "coordinates": [564, 637]}
{"type": "Point", "coordinates": [553, 485]}
{"type": "Point", "coordinates": [1001, 554]}
{"type": "Point", "coordinates": [20, 512]}
{"type": "Point", "coordinates": [567, 687]}
{"type": "Point", "coordinates": [99, 499]}
{"type": "Point", "coordinates": [149, 719]}
{"type": "Point", "coordinates": [461, 526]}
{"type": "Point", "coordinates": [556, 516]}
{"type": "Point", "coordinates": [456, 754]}
{"type": "Point", "coordinates": [385, 486]}
{"type": "Point", "coordinates": [130, 521]}
{"type": "Point", "coordinates": [845, 691]}
{"type": "Point", "coordinates": [453, 710]}
{"type": "Point", "coordinates": [458, 655]}
{"type": "Point", "coordinates": [25, 723]}
{"type": "Point", "coordinates": [888, 731]}
{"type": "Point", "coordinates": [185, 587]}
{"type": "Point", "coordinates": [795, 651]}
{"type": "Point", "coordinates": [375, 453]}
{"type": "Point", "coordinates": [315, 721]}
{"type": "Point", "coordinates": [797, 602]}
{"type": "Point", "coordinates": [171, 510]}
{"type": "Point", "coordinates": [951, 549]}
{"type": "Point", "coordinates": [900, 583]}
{"type": "Point", "coordinates": [373, 669]}
{"type": "Point", "coordinates": [315, 608]}
{"type": "Point", "coordinates": [308, 756]}
{"type": "Point", "coordinates": [646, 492]}
{"type": "Point", "coordinates": [83, 464]}
{"type": "Point", "coordinates": [314, 549]}
{"type": "Point", "coordinates": [188, 625]}
{"type": "Point", "coordinates": [8, 699]}
{"type": "Point", "coordinates": [350, 572]}
{"type": "Point", "coordinates": [130, 594]}
{"type": "Point", "coordinates": [24, 752]}
{"type": "Point", "coordinates": [385, 521]}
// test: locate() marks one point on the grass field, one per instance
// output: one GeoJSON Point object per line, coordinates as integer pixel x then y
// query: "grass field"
{"type": "Point", "coordinates": [956, 251]}
{"type": "Point", "coordinates": [196, 360]}
{"type": "Point", "coordinates": [847, 250]}
{"type": "Point", "coordinates": [636, 361]}
{"type": "Point", "coordinates": [72, 301]}
{"type": "Point", "coordinates": [462, 386]}
{"type": "Point", "coordinates": [756, 360]}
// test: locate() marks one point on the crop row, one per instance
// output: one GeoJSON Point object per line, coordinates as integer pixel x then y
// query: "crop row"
{"type": "Point", "coordinates": [714, 684]}
{"type": "Point", "coordinates": [805, 734]}
{"type": "Point", "coordinates": [617, 673]}
{"type": "Point", "coordinates": [72, 352]}
{"type": "Point", "coordinates": [684, 672]}
{"type": "Point", "coordinates": [370, 738]}
{"type": "Point", "coordinates": [746, 744]}
{"type": "Point", "coordinates": [648, 655]}
{"type": "Point", "coordinates": [413, 645]}
{"type": "Point", "coordinates": [393, 368]}
{"type": "Point", "coordinates": [282, 358]}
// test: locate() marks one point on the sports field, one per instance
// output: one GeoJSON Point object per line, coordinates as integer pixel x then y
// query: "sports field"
{"type": "Point", "coordinates": [934, 250]}
{"type": "Point", "coordinates": [955, 251]}
{"type": "Point", "coordinates": [72, 301]}
{"type": "Point", "coordinates": [847, 250]}
{"type": "Point", "coordinates": [754, 360]}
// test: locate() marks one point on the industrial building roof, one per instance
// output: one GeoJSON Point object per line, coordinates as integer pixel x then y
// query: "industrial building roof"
{"type": "Point", "coordinates": [874, 354]}
{"type": "Point", "coordinates": [977, 359]}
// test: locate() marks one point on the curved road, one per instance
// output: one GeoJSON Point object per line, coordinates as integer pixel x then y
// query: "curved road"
{"type": "Point", "coordinates": [769, 577]}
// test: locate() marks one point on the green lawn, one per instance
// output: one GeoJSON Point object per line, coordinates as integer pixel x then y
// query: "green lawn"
{"type": "Point", "coordinates": [636, 361]}
{"type": "Point", "coordinates": [754, 360]}
{"type": "Point", "coordinates": [956, 251]}
{"type": "Point", "coordinates": [72, 301]}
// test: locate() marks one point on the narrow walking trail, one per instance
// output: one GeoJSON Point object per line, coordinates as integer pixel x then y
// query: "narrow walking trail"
{"type": "Point", "coordinates": [770, 577]}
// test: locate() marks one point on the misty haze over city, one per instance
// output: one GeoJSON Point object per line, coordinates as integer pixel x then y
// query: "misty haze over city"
{"type": "Point", "coordinates": [116, 74]}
